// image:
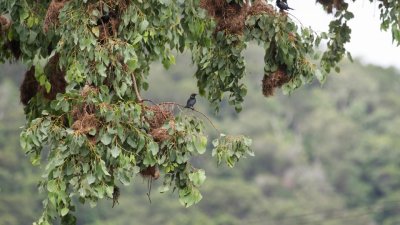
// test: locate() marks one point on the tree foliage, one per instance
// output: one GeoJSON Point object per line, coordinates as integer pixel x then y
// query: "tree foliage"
{"type": "Point", "coordinates": [90, 60]}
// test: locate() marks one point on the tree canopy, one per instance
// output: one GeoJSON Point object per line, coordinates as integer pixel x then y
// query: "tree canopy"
{"type": "Point", "coordinates": [89, 61]}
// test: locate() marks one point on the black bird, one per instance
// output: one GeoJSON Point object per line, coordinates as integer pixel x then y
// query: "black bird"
{"type": "Point", "coordinates": [191, 101]}
{"type": "Point", "coordinates": [282, 5]}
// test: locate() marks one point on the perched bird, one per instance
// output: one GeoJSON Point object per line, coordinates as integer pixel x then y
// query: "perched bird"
{"type": "Point", "coordinates": [282, 5]}
{"type": "Point", "coordinates": [191, 101]}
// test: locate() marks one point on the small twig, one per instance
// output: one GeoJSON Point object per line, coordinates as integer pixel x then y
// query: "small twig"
{"type": "Point", "coordinates": [139, 97]}
{"type": "Point", "coordinates": [301, 24]}
{"type": "Point", "coordinates": [149, 181]}
{"type": "Point", "coordinates": [182, 106]}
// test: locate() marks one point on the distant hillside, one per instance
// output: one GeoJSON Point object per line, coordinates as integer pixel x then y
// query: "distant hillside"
{"type": "Point", "coordinates": [327, 154]}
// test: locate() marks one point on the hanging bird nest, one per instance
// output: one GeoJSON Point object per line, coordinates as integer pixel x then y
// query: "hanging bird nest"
{"type": "Point", "coordinates": [161, 134]}
{"type": "Point", "coordinates": [161, 113]}
{"type": "Point", "coordinates": [274, 80]}
{"type": "Point", "coordinates": [85, 124]}
{"type": "Point", "coordinates": [329, 5]}
{"type": "Point", "coordinates": [84, 116]}
{"type": "Point", "coordinates": [230, 17]}
{"type": "Point", "coordinates": [151, 172]}
{"type": "Point", "coordinates": [5, 23]}
{"type": "Point", "coordinates": [14, 47]}
{"type": "Point", "coordinates": [261, 7]}
{"type": "Point", "coordinates": [29, 86]}
{"type": "Point", "coordinates": [108, 29]}
{"type": "Point", "coordinates": [52, 13]}
{"type": "Point", "coordinates": [56, 78]}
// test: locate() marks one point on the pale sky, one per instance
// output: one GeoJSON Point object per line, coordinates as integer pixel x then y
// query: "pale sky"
{"type": "Point", "coordinates": [368, 42]}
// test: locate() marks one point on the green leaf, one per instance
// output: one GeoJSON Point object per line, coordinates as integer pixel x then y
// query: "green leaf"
{"type": "Point", "coordinates": [64, 211]}
{"type": "Point", "coordinates": [106, 139]}
{"type": "Point", "coordinates": [115, 151]}
{"type": "Point", "coordinates": [200, 143]}
{"type": "Point", "coordinates": [153, 147]}
{"type": "Point", "coordinates": [197, 177]}
{"type": "Point", "coordinates": [90, 179]}
{"type": "Point", "coordinates": [52, 186]}
{"type": "Point", "coordinates": [143, 25]}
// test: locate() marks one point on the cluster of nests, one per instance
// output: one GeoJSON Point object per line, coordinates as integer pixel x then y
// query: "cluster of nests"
{"type": "Point", "coordinates": [230, 17]}
{"type": "Point", "coordinates": [107, 23]}
{"type": "Point", "coordinates": [30, 87]}
{"type": "Point", "coordinates": [161, 114]}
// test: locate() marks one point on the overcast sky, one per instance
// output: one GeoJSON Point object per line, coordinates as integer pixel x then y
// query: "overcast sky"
{"type": "Point", "coordinates": [368, 42]}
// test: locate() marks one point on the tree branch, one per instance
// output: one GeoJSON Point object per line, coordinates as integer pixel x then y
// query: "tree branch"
{"type": "Point", "coordinates": [138, 96]}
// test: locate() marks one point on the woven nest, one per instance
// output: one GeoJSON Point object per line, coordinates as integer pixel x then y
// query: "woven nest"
{"type": "Point", "coordinates": [329, 5]}
{"type": "Point", "coordinates": [85, 123]}
{"type": "Point", "coordinates": [151, 172]}
{"type": "Point", "coordinates": [29, 86]}
{"type": "Point", "coordinates": [14, 47]}
{"type": "Point", "coordinates": [230, 17]}
{"type": "Point", "coordinates": [274, 80]}
{"type": "Point", "coordinates": [56, 78]}
{"type": "Point", "coordinates": [161, 113]}
{"type": "Point", "coordinates": [5, 23]}
{"type": "Point", "coordinates": [260, 7]}
{"type": "Point", "coordinates": [52, 13]}
{"type": "Point", "coordinates": [109, 29]}
{"type": "Point", "coordinates": [86, 109]}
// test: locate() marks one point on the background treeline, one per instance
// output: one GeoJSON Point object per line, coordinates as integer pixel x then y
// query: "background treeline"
{"type": "Point", "coordinates": [324, 155]}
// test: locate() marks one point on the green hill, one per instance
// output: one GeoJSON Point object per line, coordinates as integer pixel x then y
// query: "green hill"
{"type": "Point", "coordinates": [324, 155]}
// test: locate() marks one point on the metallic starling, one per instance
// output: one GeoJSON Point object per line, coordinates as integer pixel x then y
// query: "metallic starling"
{"type": "Point", "coordinates": [282, 5]}
{"type": "Point", "coordinates": [191, 101]}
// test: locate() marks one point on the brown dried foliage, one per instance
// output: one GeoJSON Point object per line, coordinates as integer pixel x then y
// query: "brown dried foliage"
{"type": "Point", "coordinates": [151, 172]}
{"type": "Point", "coordinates": [274, 80]}
{"type": "Point", "coordinates": [52, 13]}
{"type": "Point", "coordinates": [29, 86]}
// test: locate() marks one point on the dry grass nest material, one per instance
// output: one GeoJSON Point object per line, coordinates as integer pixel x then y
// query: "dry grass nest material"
{"type": "Point", "coordinates": [274, 80]}
{"type": "Point", "coordinates": [260, 7]}
{"type": "Point", "coordinates": [161, 113]}
{"type": "Point", "coordinates": [230, 17]}
{"type": "Point", "coordinates": [151, 172]}
{"type": "Point", "coordinates": [30, 86]}
{"type": "Point", "coordinates": [52, 13]}
{"type": "Point", "coordinates": [56, 78]}
{"type": "Point", "coordinates": [84, 116]}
